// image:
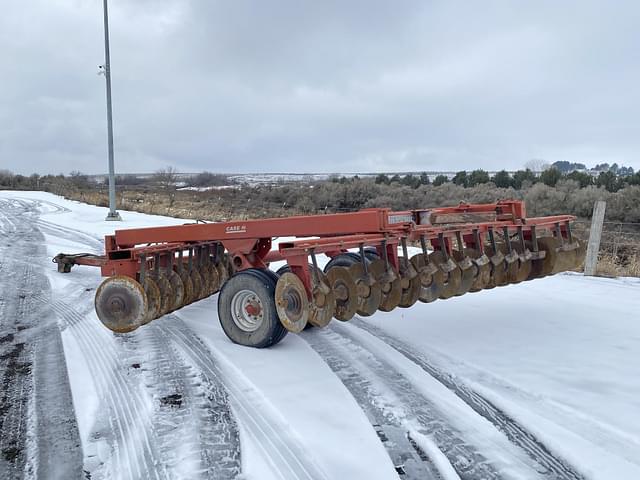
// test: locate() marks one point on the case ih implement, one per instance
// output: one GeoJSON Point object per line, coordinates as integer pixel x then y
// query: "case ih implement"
{"type": "Point", "coordinates": [467, 248]}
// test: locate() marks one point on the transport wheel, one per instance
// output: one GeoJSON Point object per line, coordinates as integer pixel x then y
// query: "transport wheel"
{"type": "Point", "coordinates": [323, 302]}
{"type": "Point", "coordinates": [345, 292]}
{"type": "Point", "coordinates": [247, 309]}
{"type": "Point", "coordinates": [153, 299]}
{"type": "Point", "coordinates": [166, 294]}
{"type": "Point", "coordinates": [121, 304]}
{"type": "Point", "coordinates": [178, 289]}
{"type": "Point", "coordinates": [369, 293]}
{"type": "Point", "coordinates": [467, 271]}
{"type": "Point", "coordinates": [483, 269]}
{"type": "Point", "coordinates": [432, 279]}
{"type": "Point", "coordinates": [452, 278]}
{"type": "Point", "coordinates": [391, 290]}
{"type": "Point", "coordinates": [410, 286]}
{"type": "Point", "coordinates": [292, 304]}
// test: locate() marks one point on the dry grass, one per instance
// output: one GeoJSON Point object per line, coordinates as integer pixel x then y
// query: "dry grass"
{"type": "Point", "coordinates": [615, 266]}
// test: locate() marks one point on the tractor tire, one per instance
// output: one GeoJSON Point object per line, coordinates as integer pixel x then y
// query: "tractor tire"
{"type": "Point", "coordinates": [259, 327]}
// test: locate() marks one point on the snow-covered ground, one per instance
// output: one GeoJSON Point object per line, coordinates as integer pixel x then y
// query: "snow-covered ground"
{"type": "Point", "coordinates": [536, 380]}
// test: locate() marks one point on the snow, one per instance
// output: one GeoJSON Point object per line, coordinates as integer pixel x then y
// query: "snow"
{"type": "Point", "coordinates": [560, 355]}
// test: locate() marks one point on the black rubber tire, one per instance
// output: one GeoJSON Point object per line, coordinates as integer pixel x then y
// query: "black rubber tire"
{"type": "Point", "coordinates": [275, 276]}
{"type": "Point", "coordinates": [345, 259]}
{"type": "Point", "coordinates": [263, 284]}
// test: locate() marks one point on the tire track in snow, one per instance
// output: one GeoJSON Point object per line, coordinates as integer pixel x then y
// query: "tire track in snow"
{"type": "Point", "coordinates": [280, 448]}
{"type": "Point", "coordinates": [373, 380]}
{"type": "Point", "coordinates": [195, 427]}
{"type": "Point", "coordinates": [35, 406]}
{"type": "Point", "coordinates": [550, 465]}
{"type": "Point", "coordinates": [132, 444]}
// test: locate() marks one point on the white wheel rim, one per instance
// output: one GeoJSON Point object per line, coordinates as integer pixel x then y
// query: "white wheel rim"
{"type": "Point", "coordinates": [247, 310]}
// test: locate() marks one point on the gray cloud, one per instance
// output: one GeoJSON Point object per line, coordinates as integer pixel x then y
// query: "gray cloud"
{"type": "Point", "coordinates": [319, 86]}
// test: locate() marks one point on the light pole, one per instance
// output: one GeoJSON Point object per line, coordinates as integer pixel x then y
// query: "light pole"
{"type": "Point", "coordinates": [113, 213]}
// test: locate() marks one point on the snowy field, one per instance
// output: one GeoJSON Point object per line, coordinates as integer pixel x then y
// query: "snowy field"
{"type": "Point", "coordinates": [529, 381]}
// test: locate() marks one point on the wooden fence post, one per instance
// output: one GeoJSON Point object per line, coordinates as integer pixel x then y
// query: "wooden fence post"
{"type": "Point", "coordinates": [597, 220]}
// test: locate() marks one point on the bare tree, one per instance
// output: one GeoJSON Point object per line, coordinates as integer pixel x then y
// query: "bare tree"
{"type": "Point", "coordinates": [166, 177]}
{"type": "Point", "coordinates": [537, 165]}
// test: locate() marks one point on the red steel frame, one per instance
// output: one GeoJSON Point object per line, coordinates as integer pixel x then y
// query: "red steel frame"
{"type": "Point", "coordinates": [248, 242]}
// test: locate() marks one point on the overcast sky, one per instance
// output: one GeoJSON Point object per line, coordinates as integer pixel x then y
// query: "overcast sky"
{"type": "Point", "coordinates": [319, 86]}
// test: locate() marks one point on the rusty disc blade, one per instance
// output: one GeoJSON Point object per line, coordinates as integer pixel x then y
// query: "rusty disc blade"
{"type": "Point", "coordinates": [499, 272]}
{"type": "Point", "coordinates": [323, 302]}
{"type": "Point", "coordinates": [178, 289]}
{"type": "Point", "coordinates": [524, 266]}
{"type": "Point", "coordinates": [345, 292]}
{"type": "Point", "coordinates": [565, 261]}
{"type": "Point", "coordinates": [203, 270]}
{"type": "Point", "coordinates": [214, 278]}
{"type": "Point", "coordinates": [391, 290]}
{"type": "Point", "coordinates": [483, 269]}
{"type": "Point", "coordinates": [369, 293]}
{"type": "Point", "coordinates": [153, 299]}
{"type": "Point", "coordinates": [452, 279]}
{"type": "Point", "coordinates": [431, 278]}
{"type": "Point", "coordinates": [468, 271]}
{"type": "Point", "coordinates": [188, 287]}
{"type": "Point", "coordinates": [292, 303]}
{"type": "Point", "coordinates": [166, 293]}
{"type": "Point", "coordinates": [196, 282]}
{"type": "Point", "coordinates": [410, 286]}
{"type": "Point", "coordinates": [549, 245]}
{"type": "Point", "coordinates": [121, 304]}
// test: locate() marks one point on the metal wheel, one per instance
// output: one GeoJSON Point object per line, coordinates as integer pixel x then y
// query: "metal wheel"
{"type": "Point", "coordinates": [452, 274]}
{"type": "Point", "coordinates": [247, 309]}
{"type": "Point", "coordinates": [391, 289]}
{"type": "Point", "coordinates": [292, 303]}
{"type": "Point", "coordinates": [432, 279]}
{"type": "Point", "coordinates": [345, 292]}
{"type": "Point", "coordinates": [153, 299]}
{"type": "Point", "coordinates": [410, 283]}
{"type": "Point", "coordinates": [369, 293]}
{"type": "Point", "coordinates": [121, 304]}
{"type": "Point", "coordinates": [543, 267]}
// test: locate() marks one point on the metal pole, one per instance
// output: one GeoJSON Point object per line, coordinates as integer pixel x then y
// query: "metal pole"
{"type": "Point", "coordinates": [593, 247]}
{"type": "Point", "coordinates": [113, 214]}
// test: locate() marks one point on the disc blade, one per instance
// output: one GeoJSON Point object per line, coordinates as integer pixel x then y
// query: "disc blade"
{"type": "Point", "coordinates": [431, 278]}
{"type": "Point", "coordinates": [391, 291]}
{"type": "Point", "coordinates": [323, 302]}
{"type": "Point", "coordinates": [292, 303]}
{"type": "Point", "coordinates": [166, 294]}
{"type": "Point", "coordinates": [177, 287]}
{"type": "Point", "coordinates": [345, 292]}
{"type": "Point", "coordinates": [153, 299]}
{"type": "Point", "coordinates": [410, 285]}
{"type": "Point", "coordinates": [121, 304]}
{"type": "Point", "coordinates": [369, 293]}
{"type": "Point", "coordinates": [452, 279]}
